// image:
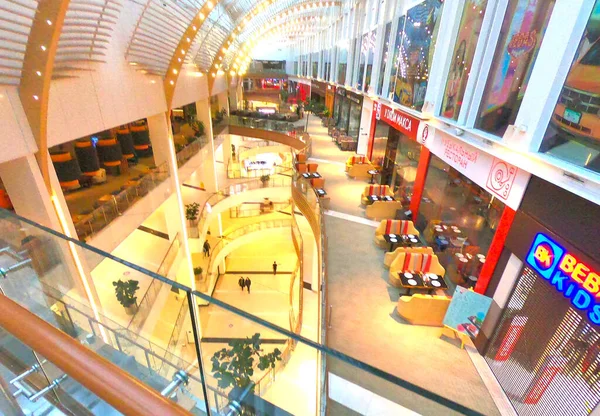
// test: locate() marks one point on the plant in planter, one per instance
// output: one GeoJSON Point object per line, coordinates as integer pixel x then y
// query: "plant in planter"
{"type": "Point", "coordinates": [265, 179]}
{"type": "Point", "coordinates": [191, 215]}
{"type": "Point", "coordinates": [125, 292]}
{"type": "Point", "coordinates": [198, 127]}
{"type": "Point", "coordinates": [234, 367]}
{"type": "Point", "coordinates": [198, 272]}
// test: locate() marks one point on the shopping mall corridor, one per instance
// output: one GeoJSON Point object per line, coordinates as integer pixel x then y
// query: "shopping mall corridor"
{"type": "Point", "coordinates": [364, 323]}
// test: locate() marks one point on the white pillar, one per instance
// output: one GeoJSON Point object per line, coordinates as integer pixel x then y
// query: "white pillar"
{"type": "Point", "coordinates": [208, 174]}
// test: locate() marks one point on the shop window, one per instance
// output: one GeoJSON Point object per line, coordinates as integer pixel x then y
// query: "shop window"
{"type": "Point", "coordinates": [382, 131]}
{"type": "Point", "coordinates": [459, 220]}
{"type": "Point", "coordinates": [417, 47]}
{"type": "Point", "coordinates": [521, 35]}
{"type": "Point", "coordinates": [354, 121]}
{"type": "Point", "coordinates": [462, 58]}
{"type": "Point", "coordinates": [384, 57]}
{"type": "Point", "coordinates": [399, 168]}
{"type": "Point", "coordinates": [574, 130]}
{"type": "Point", "coordinates": [342, 63]}
{"type": "Point", "coordinates": [362, 57]}
{"type": "Point", "coordinates": [396, 60]}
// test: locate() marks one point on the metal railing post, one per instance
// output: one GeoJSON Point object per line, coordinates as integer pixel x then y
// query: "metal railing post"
{"type": "Point", "coordinates": [195, 325]}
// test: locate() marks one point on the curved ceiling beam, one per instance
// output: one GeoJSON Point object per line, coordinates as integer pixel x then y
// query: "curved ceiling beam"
{"type": "Point", "coordinates": [182, 49]}
{"type": "Point", "coordinates": [36, 75]}
{"type": "Point", "coordinates": [227, 43]}
{"type": "Point", "coordinates": [246, 46]}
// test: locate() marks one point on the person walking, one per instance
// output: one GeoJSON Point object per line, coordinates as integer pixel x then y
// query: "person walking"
{"type": "Point", "coordinates": [242, 283]}
{"type": "Point", "coordinates": [206, 248]}
{"type": "Point", "coordinates": [274, 267]}
{"type": "Point", "coordinates": [248, 283]}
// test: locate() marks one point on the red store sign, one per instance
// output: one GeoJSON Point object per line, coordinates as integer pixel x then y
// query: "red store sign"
{"type": "Point", "coordinates": [402, 122]}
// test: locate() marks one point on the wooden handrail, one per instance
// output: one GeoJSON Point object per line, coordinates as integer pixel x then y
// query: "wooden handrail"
{"type": "Point", "coordinates": [103, 378]}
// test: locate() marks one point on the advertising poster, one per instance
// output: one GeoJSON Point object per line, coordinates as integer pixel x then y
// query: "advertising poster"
{"type": "Point", "coordinates": [467, 311]}
{"type": "Point", "coordinates": [416, 52]}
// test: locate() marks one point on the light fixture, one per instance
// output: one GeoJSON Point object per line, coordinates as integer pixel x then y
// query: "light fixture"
{"type": "Point", "coordinates": [43, 47]}
{"type": "Point", "coordinates": [39, 73]}
{"type": "Point", "coordinates": [35, 97]}
{"type": "Point", "coordinates": [183, 51]}
{"type": "Point", "coordinates": [172, 82]}
{"type": "Point", "coordinates": [174, 71]}
{"type": "Point", "coordinates": [49, 22]}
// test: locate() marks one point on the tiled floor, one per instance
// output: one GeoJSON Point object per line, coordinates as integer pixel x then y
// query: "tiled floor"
{"type": "Point", "coordinates": [364, 323]}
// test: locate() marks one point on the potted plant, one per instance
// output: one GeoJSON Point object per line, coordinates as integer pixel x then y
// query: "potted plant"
{"type": "Point", "coordinates": [233, 368]}
{"type": "Point", "coordinates": [198, 273]}
{"type": "Point", "coordinates": [125, 292]}
{"type": "Point", "coordinates": [265, 179]}
{"type": "Point", "coordinates": [191, 215]}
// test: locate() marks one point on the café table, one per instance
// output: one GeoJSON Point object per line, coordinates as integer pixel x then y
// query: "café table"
{"type": "Point", "coordinates": [405, 240]}
{"type": "Point", "coordinates": [373, 172]}
{"type": "Point", "coordinates": [422, 281]}
{"type": "Point", "coordinates": [386, 198]}
{"type": "Point", "coordinates": [310, 175]}
{"type": "Point", "coordinates": [320, 192]}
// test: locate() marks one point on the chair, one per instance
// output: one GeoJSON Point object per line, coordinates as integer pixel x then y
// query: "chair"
{"type": "Point", "coordinates": [390, 256]}
{"type": "Point", "coordinates": [312, 167]}
{"type": "Point", "coordinates": [301, 167]}
{"type": "Point", "coordinates": [317, 182]}
{"type": "Point", "coordinates": [301, 158]}
{"type": "Point", "coordinates": [421, 309]}
{"type": "Point", "coordinates": [355, 160]}
{"type": "Point", "coordinates": [379, 190]}
{"type": "Point", "coordinates": [417, 262]}
{"type": "Point", "coordinates": [380, 210]}
{"type": "Point", "coordinates": [393, 227]}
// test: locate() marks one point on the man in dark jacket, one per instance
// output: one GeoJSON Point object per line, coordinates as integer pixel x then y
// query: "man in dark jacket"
{"type": "Point", "coordinates": [248, 283]}
{"type": "Point", "coordinates": [242, 283]}
{"type": "Point", "coordinates": [274, 267]}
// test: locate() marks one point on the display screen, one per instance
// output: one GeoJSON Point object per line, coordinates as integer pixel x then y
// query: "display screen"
{"type": "Point", "coordinates": [574, 130]}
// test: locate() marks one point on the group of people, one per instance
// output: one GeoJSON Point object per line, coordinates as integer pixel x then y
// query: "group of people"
{"type": "Point", "coordinates": [245, 283]}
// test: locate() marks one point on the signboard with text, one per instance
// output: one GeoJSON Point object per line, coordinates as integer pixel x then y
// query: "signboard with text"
{"type": "Point", "coordinates": [405, 123]}
{"type": "Point", "coordinates": [498, 177]}
{"type": "Point", "coordinates": [575, 279]}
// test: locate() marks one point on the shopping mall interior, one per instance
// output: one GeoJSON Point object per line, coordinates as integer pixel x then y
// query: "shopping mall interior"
{"type": "Point", "coordinates": [260, 207]}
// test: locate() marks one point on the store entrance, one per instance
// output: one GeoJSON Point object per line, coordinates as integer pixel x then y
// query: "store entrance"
{"type": "Point", "coordinates": [545, 353]}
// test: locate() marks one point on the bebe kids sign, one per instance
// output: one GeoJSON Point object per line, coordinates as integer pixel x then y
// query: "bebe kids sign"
{"type": "Point", "coordinates": [500, 178]}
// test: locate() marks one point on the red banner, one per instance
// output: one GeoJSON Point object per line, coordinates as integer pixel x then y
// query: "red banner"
{"type": "Point", "coordinates": [510, 339]}
{"type": "Point", "coordinates": [399, 120]}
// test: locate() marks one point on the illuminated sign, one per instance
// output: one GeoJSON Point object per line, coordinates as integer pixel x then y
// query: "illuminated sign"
{"type": "Point", "coordinates": [402, 122]}
{"type": "Point", "coordinates": [573, 278]}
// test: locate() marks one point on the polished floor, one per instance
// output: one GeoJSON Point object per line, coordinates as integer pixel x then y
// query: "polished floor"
{"type": "Point", "coordinates": [364, 323]}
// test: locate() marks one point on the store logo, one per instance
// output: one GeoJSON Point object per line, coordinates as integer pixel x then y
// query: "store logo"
{"type": "Point", "coordinates": [424, 134]}
{"type": "Point", "coordinates": [377, 110]}
{"type": "Point", "coordinates": [573, 278]}
{"type": "Point", "coordinates": [501, 178]}
{"type": "Point", "coordinates": [398, 119]}
{"type": "Point", "coordinates": [544, 255]}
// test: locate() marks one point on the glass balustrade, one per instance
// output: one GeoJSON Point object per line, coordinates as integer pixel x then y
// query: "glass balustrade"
{"type": "Point", "coordinates": [186, 351]}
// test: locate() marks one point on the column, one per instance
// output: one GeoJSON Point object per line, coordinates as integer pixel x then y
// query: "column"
{"type": "Point", "coordinates": [223, 101]}
{"type": "Point", "coordinates": [208, 171]}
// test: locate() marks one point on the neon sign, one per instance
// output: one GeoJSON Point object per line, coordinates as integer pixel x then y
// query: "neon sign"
{"type": "Point", "coordinates": [570, 276]}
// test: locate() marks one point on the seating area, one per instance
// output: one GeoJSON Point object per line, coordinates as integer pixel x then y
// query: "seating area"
{"type": "Point", "coordinates": [344, 142]}
{"type": "Point", "coordinates": [358, 167]}
{"type": "Point", "coordinates": [398, 227]}
{"type": "Point", "coordinates": [375, 190]}
{"type": "Point", "coordinates": [413, 262]}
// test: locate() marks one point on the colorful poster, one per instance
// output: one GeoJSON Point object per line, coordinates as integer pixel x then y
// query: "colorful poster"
{"type": "Point", "coordinates": [467, 311]}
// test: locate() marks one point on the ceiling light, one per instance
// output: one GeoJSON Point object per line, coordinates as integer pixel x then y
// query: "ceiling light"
{"type": "Point", "coordinates": [174, 71]}
{"type": "Point", "coordinates": [172, 82]}
{"type": "Point", "coordinates": [39, 73]}
{"type": "Point", "coordinates": [35, 97]}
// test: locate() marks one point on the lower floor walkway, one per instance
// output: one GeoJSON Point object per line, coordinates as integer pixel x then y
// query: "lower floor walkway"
{"type": "Point", "coordinates": [364, 323]}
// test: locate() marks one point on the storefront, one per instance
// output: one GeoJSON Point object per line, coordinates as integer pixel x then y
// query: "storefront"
{"type": "Point", "coordinates": [347, 112]}
{"type": "Point", "coordinates": [463, 203]}
{"type": "Point", "coordinates": [543, 343]}
{"type": "Point", "coordinates": [393, 146]}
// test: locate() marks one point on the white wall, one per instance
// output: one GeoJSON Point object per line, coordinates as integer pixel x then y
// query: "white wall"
{"type": "Point", "coordinates": [16, 139]}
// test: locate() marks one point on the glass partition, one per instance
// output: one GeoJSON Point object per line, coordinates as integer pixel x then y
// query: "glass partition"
{"type": "Point", "coordinates": [458, 219]}
{"type": "Point", "coordinates": [573, 134]}
{"type": "Point", "coordinates": [384, 57]}
{"type": "Point", "coordinates": [521, 36]}
{"type": "Point", "coordinates": [398, 57]}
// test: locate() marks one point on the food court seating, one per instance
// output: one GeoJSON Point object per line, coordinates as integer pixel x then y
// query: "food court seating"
{"type": "Point", "coordinates": [317, 183]}
{"type": "Point", "coordinates": [380, 210]}
{"type": "Point", "coordinates": [312, 167]}
{"type": "Point", "coordinates": [301, 167]}
{"type": "Point", "coordinates": [358, 167]}
{"type": "Point", "coordinates": [389, 257]}
{"type": "Point", "coordinates": [414, 262]}
{"type": "Point", "coordinates": [379, 190]}
{"type": "Point", "coordinates": [393, 227]}
{"type": "Point", "coordinates": [421, 309]}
